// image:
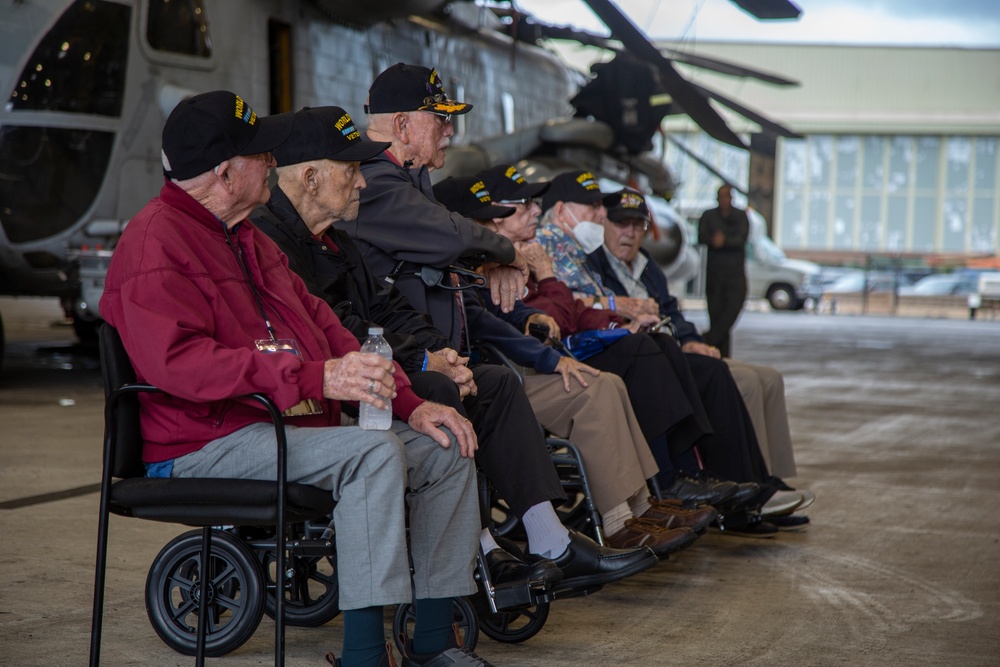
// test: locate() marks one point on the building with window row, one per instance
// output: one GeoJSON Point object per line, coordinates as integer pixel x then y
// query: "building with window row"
{"type": "Point", "coordinates": [900, 152]}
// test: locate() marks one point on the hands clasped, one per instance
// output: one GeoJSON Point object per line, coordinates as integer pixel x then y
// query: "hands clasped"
{"type": "Point", "coordinates": [450, 363]}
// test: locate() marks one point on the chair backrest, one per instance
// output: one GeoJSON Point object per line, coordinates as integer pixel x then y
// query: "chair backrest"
{"type": "Point", "coordinates": [117, 371]}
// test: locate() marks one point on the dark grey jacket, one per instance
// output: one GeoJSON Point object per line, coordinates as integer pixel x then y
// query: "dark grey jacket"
{"type": "Point", "coordinates": [400, 221]}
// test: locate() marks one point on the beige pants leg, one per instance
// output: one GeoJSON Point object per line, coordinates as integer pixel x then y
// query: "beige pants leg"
{"type": "Point", "coordinates": [763, 391]}
{"type": "Point", "coordinates": [600, 421]}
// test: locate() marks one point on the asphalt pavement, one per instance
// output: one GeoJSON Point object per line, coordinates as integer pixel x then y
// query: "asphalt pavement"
{"type": "Point", "coordinates": [896, 427]}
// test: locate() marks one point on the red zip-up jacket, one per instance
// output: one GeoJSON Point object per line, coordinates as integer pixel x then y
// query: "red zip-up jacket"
{"type": "Point", "coordinates": [177, 294]}
{"type": "Point", "coordinates": [556, 299]}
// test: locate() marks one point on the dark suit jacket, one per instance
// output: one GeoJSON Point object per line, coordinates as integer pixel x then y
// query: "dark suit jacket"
{"type": "Point", "coordinates": [655, 282]}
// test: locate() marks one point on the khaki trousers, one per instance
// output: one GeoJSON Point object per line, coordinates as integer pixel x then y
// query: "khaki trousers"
{"type": "Point", "coordinates": [763, 391]}
{"type": "Point", "coordinates": [600, 422]}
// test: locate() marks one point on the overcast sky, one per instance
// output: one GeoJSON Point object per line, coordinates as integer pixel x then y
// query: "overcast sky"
{"type": "Point", "coordinates": [971, 23]}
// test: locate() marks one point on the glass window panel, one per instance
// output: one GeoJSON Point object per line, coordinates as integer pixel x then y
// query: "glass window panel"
{"type": "Point", "coordinates": [924, 214]}
{"type": "Point", "coordinates": [895, 223]}
{"type": "Point", "coordinates": [954, 212]}
{"type": "Point", "coordinates": [928, 152]}
{"type": "Point", "coordinates": [79, 66]}
{"type": "Point", "coordinates": [843, 222]}
{"type": "Point", "coordinates": [819, 204]}
{"type": "Point", "coordinates": [794, 155]}
{"type": "Point", "coordinates": [959, 152]}
{"type": "Point", "coordinates": [847, 161]}
{"type": "Point", "coordinates": [869, 236]}
{"type": "Point", "coordinates": [983, 234]}
{"type": "Point", "coordinates": [872, 170]}
{"type": "Point", "coordinates": [900, 156]}
{"type": "Point", "coordinates": [986, 163]}
{"type": "Point", "coordinates": [179, 26]}
{"type": "Point", "coordinates": [792, 223]}
{"type": "Point", "coordinates": [820, 158]}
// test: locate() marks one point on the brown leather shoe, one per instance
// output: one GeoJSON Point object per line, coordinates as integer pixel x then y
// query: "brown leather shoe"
{"type": "Point", "coordinates": [669, 515]}
{"type": "Point", "coordinates": [644, 533]}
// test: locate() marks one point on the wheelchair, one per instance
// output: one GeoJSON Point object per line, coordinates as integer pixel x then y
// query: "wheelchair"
{"type": "Point", "coordinates": [260, 547]}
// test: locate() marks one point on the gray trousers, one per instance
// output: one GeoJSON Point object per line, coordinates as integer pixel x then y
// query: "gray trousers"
{"type": "Point", "coordinates": [368, 473]}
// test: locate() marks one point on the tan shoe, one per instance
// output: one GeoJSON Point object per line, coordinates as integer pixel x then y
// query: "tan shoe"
{"type": "Point", "coordinates": [669, 515]}
{"type": "Point", "coordinates": [645, 533]}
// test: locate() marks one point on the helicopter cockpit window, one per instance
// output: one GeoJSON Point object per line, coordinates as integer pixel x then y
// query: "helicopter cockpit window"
{"type": "Point", "coordinates": [179, 26]}
{"type": "Point", "coordinates": [79, 66]}
{"type": "Point", "coordinates": [49, 177]}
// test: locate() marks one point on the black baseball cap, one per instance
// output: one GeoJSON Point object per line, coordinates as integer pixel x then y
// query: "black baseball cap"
{"type": "Point", "coordinates": [580, 187]}
{"type": "Point", "coordinates": [405, 87]}
{"type": "Point", "coordinates": [204, 130]}
{"type": "Point", "coordinates": [626, 205]}
{"type": "Point", "coordinates": [506, 183]}
{"type": "Point", "coordinates": [468, 196]}
{"type": "Point", "coordinates": [325, 133]}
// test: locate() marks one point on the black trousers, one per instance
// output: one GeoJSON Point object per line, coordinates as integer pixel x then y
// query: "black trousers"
{"type": "Point", "coordinates": [730, 450]}
{"type": "Point", "coordinates": [512, 451]}
{"type": "Point", "coordinates": [663, 394]}
{"type": "Point", "coordinates": [725, 294]}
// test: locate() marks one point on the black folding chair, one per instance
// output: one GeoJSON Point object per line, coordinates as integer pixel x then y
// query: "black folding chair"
{"type": "Point", "coordinates": [205, 503]}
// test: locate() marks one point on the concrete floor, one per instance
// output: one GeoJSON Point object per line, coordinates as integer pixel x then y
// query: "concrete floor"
{"type": "Point", "coordinates": [895, 423]}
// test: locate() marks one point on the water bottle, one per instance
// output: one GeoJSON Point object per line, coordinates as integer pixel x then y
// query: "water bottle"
{"type": "Point", "coordinates": [371, 418]}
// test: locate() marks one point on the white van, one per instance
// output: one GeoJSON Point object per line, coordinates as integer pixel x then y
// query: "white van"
{"type": "Point", "coordinates": [787, 284]}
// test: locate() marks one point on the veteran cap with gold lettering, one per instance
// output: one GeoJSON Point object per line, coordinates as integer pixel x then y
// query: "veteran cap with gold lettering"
{"type": "Point", "coordinates": [580, 187]}
{"type": "Point", "coordinates": [405, 87]}
{"type": "Point", "coordinates": [468, 196]}
{"type": "Point", "coordinates": [325, 133]}
{"type": "Point", "coordinates": [207, 129]}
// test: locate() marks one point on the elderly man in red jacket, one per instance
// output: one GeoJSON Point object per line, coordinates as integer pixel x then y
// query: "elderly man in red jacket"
{"type": "Point", "coordinates": [208, 311]}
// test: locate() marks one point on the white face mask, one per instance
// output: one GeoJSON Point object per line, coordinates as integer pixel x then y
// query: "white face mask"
{"type": "Point", "coordinates": [587, 233]}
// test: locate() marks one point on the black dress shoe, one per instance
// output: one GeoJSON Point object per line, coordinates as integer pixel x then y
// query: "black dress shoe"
{"type": "Point", "coordinates": [789, 521]}
{"type": "Point", "coordinates": [505, 568]}
{"type": "Point", "coordinates": [758, 529]}
{"type": "Point", "coordinates": [745, 494]}
{"type": "Point", "coordinates": [586, 563]}
{"type": "Point", "coordinates": [687, 488]}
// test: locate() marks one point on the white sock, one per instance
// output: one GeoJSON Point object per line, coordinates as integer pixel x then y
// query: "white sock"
{"type": "Point", "coordinates": [639, 502]}
{"type": "Point", "coordinates": [487, 542]}
{"type": "Point", "coordinates": [614, 519]}
{"type": "Point", "coordinates": [547, 537]}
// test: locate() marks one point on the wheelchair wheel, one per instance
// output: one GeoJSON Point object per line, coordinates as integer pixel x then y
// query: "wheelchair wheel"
{"type": "Point", "coordinates": [465, 619]}
{"type": "Point", "coordinates": [516, 625]}
{"type": "Point", "coordinates": [313, 596]}
{"type": "Point", "coordinates": [235, 589]}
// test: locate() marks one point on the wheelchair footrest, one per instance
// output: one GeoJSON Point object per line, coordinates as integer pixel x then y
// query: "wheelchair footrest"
{"type": "Point", "coordinates": [510, 596]}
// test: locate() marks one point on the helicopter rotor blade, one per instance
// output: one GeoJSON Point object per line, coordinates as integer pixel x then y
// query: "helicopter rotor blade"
{"type": "Point", "coordinates": [769, 10]}
{"type": "Point", "coordinates": [725, 67]}
{"type": "Point", "coordinates": [687, 97]}
{"type": "Point", "coordinates": [745, 111]}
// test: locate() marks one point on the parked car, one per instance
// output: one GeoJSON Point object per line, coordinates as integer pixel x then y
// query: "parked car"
{"type": "Point", "coordinates": [877, 281]}
{"type": "Point", "coordinates": [787, 284]}
{"type": "Point", "coordinates": [944, 284]}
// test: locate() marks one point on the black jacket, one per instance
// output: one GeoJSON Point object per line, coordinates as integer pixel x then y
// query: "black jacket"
{"type": "Point", "coordinates": [338, 275]}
